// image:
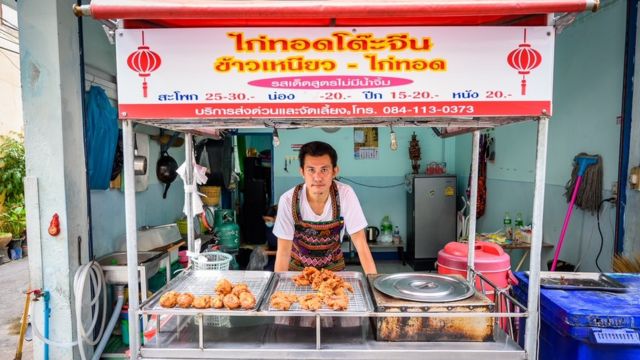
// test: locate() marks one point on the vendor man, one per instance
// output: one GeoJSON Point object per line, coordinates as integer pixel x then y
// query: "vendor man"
{"type": "Point", "coordinates": [312, 216]}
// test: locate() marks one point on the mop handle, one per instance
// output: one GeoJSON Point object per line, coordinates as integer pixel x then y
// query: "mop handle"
{"type": "Point", "coordinates": [567, 217]}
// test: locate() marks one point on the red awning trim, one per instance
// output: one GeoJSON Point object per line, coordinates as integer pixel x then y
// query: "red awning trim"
{"type": "Point", "coordinates": [327, 9]}
{"type": "Point", "coordinates": [489, 20]}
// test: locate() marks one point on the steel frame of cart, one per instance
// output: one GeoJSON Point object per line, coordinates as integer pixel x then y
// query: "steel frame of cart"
{"type": "Point", "coordinates": [322, 344]}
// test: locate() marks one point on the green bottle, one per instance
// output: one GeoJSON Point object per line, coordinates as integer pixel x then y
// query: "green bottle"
{"type": "Point", "coordinates": [508, 227]}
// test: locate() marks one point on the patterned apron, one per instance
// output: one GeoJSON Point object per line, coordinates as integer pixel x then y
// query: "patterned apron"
{"type": "Point", "coordinates": [317, 244]}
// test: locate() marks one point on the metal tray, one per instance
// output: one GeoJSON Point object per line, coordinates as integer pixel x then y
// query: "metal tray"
{"type": "Point", "coordinates": [422, 287]}
{"type": "Point", "coordinates": [203, 282]}
{"type": "Point", "coordinates": [579, 281]}
{"type": "Point", "coordinates": [359, 302]}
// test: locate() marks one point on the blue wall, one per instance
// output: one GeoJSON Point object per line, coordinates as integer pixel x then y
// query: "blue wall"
{"type": "Point", "coordinates": [587, 96]}
{"type": "Point", "coordinates": [107, 206]}
{"type": "Point", "coordinates": [388, 169]}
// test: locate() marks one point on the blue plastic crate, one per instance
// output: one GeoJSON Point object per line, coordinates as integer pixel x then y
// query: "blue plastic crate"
{"type": "Point", "coordinates": [587, 324]}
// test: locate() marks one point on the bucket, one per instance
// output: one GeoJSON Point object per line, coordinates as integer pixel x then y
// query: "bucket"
{"type": "Point", "coordinates": [124, 325]}
{"type": "Point", "coordinates": [211, 195]}
{"type": "Point", "coordinates": [490, 260]}
{"type": "Point", "coordinates": [16, 253]}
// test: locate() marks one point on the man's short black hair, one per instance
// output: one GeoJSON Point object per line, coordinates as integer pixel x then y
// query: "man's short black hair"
{"type": "Point", "coordinates": [318, 148]}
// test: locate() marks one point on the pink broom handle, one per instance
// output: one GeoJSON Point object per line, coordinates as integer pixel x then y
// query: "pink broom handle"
{"type": "Point", "coordinates": [567, 217]}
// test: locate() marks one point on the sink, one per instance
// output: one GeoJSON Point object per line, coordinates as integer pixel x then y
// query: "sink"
{"type": "Point", "coordinates": [115, 265]}
{"type": "Point", "coordinates": [152, 237]}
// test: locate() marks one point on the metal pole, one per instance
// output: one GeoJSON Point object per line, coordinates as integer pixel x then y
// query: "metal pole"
{"type": "Point", "coordinates": [132, 235]}
{"type": "Point", "coordinates": [189, 189]}
{"type": "Point", "coordinates": [473, 202]}
{"type": "Point", "coordinates": [533, 305]}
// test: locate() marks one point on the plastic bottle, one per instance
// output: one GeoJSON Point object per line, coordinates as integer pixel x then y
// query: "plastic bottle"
{"type": "Point", "coordinates": [386, 230]}
{"type": "Point", "coordinates": [519, 222]}
{"type": "Point", "coordinates": [508, 227]}
{"type": "Point", "coordinates": [396, 235]}
{"type": "Point", "coordinates": [518, 225]}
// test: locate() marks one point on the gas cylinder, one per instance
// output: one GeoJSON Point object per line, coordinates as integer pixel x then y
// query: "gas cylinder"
{"type": "Point", "coordinates": [228, 234]}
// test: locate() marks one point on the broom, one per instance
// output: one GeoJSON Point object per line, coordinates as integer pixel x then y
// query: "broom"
{"type": "Point", "coordinates": [624, 264]}
{"type": "Point", "coordinates": [589, 193]}
{"type": "Point", "coordinates": [585, 187]}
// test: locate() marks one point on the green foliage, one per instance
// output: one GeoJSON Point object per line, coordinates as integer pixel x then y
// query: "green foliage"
{"type": "Point", "coordinates": [12, 173]}
{"type": "Point", "coordinates": [14, 220]}
{"type": "Point", "coordinates": [12, 169]}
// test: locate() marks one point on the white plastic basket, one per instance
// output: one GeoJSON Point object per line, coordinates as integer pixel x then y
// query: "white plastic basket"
{"type": "Point", "coordinates": [214, 260]}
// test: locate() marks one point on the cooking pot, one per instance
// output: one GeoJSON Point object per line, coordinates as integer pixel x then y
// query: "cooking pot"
{"type": "Point", "coordinates": [166, 171]}
{"type": "Point", "coordinates": [139, 161]}
{"type": "Point", "coordinates": [371, 233]}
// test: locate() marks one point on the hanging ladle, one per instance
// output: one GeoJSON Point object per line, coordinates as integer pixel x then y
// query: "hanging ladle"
{"type": "Point", "coordinates": [139, 161]}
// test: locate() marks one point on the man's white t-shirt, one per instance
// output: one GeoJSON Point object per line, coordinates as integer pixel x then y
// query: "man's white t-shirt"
{"type": "Point", "coordinates": [350, 211]}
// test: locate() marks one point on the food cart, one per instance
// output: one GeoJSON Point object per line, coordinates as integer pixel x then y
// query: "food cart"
{"type": "Point", "coordinates": [197, 67]}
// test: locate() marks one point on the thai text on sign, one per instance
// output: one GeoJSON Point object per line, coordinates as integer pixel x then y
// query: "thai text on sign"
{"type": "Point", "coordinates": [335, 72]}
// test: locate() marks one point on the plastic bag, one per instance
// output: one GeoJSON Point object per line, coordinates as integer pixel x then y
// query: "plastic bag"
{"type": "Point", "coordinates": [101, 134]}
{"type": "Point", "coordinates": [258, 259]}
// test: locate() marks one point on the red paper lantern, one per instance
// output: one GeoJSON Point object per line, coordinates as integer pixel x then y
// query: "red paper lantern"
{"type": "Point", "coordinates": [524, 59]}
{"type": "Point", "coordinates": [144, 62]}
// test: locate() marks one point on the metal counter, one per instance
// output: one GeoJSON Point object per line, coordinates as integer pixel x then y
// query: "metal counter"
{"type": "Point", "coordinates": [261, 338]}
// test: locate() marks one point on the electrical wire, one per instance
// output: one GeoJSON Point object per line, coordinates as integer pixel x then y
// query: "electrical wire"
{"type": "Point", "coordinates": [9, 50]}
{"type": "Point", "coordinates": [11, 61]}
{"type": "Point", "coordinates": [370, 186]}
{"type": "Point", "coordinates": [600, 231]}
{"type": "Point", "coordinates": [5, 37]}
{"type": "Point", "coordinates": [12, 34]}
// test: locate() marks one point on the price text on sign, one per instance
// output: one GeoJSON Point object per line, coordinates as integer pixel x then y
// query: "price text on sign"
{"type": "Point", "coordinates": [335, 72]}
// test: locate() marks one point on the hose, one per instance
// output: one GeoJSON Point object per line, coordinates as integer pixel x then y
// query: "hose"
{"type": "Point", "coordinates": [98, 284]}
{"type": "Point", "coordinates": [93, 271]}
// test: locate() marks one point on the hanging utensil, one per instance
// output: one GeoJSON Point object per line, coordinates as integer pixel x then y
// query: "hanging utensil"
{"type": "Point", "coordinates": [166, 166]}
{"type": "Point", "coordinates": [166, 171]}
{"type": "Point", "coordinates": [139, 161]}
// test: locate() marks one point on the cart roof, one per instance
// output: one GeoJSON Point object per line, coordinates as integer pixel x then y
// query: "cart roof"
{"type": "Point", "coordinates": [212, 13]}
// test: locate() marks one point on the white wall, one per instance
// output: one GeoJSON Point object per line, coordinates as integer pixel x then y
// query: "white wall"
{"type": "Point", "coordinates": [10, 95]}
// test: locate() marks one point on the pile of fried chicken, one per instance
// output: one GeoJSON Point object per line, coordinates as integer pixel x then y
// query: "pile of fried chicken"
{"type": "Point", "coordinates": [229, 296]}
{"type": "Point", "coordinates": [331, 291]}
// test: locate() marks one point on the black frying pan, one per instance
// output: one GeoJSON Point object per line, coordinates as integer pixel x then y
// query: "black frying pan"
{"type": "Point", "coordinates": [166, 171]}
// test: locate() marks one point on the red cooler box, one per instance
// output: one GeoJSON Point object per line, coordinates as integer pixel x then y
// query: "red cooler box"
{"type": "Point", "coordinates": [490, 260]}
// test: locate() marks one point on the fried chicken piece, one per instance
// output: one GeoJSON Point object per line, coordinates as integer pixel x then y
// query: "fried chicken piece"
{"type": "Point", "coordinates": [310, 272]}
{"type": "Point", "coordinates": [311, 302]}
{"type": "Point", "coordinates": [329, 287]}
{"type": "Point", "coordinates": [282, 301]}
{"type": "Point", "coordinates": [239, 289]}
{"type": "Point", "coordinates": [202, 302]}
{"type": "Point", "coordinates": [247, 300]}
{"type": "Point", "coordinates": [217, 302]}
{"type": "Point", "coordinates": [337, 302]}
{"type": "Point", "coordinates": [323, 276]}
{"type": "Point", "coordinates": [306, 277]}
{"type": "Point", "coordinates": [346, 285]}
{"type": "Point", "coordinates": [301, 280]}
{"type": "Point", "coordinates": [231, 301]}
{"type": "Point", "coordinates": [184, 300]}
{"type": "Point", "coordinates": [223, 287]}
{"type": "Point", "coordinates": [288, 296]}
{"type": "Point", "coordinates": [169, 299]}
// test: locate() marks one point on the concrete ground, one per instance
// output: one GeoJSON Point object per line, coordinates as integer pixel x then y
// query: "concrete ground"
{"type": "Point", "coordinates": [14, 280]}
